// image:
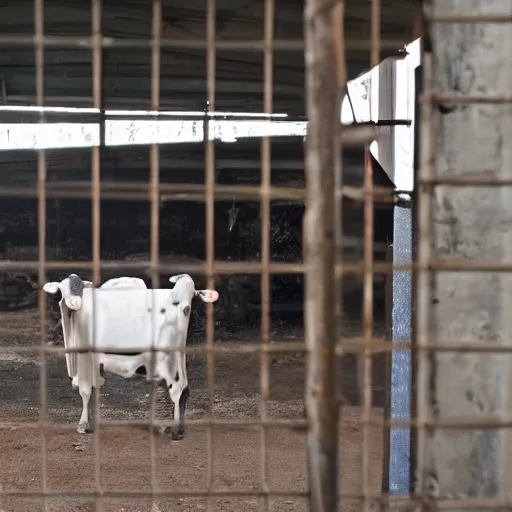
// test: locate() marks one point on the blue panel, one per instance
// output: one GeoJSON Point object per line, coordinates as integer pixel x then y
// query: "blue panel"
{"type": "Point", "coordinates": [399, 466]}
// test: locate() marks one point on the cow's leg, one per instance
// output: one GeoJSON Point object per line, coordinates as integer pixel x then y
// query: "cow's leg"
{"type": "Point", "coordinates": [175, 377]}
{"type": "Point", "coordinates": [182, 407]}
{"type": "Point", "coordinates": [179, 397]}
{"type": "Point", "coordinates": [84, 425]}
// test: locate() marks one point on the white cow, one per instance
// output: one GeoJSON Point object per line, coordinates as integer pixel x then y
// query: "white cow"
{"type": "Point", "coordinates": [127, 317]}
{"type": "Point", "coordinates": [124, 282]}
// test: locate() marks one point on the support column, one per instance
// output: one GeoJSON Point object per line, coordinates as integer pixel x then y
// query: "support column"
{"type": "Point", "coordinates": [395, 151]}
{"type": "Point", "coordinates": [403, 101]}
{"type": "Point", "coordinates": [466, 224]}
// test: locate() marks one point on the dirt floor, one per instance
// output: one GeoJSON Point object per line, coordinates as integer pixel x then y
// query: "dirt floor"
{"type": "Point", "coordinates": [125, 462]}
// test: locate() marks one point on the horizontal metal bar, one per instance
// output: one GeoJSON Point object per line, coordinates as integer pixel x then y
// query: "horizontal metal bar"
{"type": "Point", "coordinates": [347, 345]}
{"type": "Point", "coordinates": [236, 349]}
{"type": "Point", "coordinates": [461, 18]}
{"type": "Point", "coordinates": [120, 267]}
{"type": "Point", "coordinates": [86, 42]}
{"type": "Point", "coordinates": [139, 191]}
{"type": "Point", "coordinates": [430, 503]}
{"type": "Point", "coordinates": [175, 103]}
{"type": "Point", "coordinates": [468, 266]}
{"type": "Point", "coordinates": [14, 116]}
{"type": "Point", "coordinates": [468, 423]}
{"type": "Point", "coordinates": [464, 100]}
{"type": "Point", "coordinates": [347, 268]}
{"type": "Point", "coordinates": [293, 424]}
{"type": "Point", "coordinates": [465, 181]}
{"type": "Point", "coordinates": [178, 493]}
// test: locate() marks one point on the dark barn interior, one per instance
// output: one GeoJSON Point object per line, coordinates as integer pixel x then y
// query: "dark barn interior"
{"type": "Point", "coordinates": [125, 225]}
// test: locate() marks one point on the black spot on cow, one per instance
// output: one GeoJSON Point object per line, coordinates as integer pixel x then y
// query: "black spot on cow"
{"type": "Point", "coordinates": [76, 285]}
{"type": "Point", "coordinates": [177, 377]}
{"type": "Point", "coordinates": [141, 370]}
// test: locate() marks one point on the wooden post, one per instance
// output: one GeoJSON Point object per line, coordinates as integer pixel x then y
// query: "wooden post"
{"type": "Point", "coordinates": [323, 39]}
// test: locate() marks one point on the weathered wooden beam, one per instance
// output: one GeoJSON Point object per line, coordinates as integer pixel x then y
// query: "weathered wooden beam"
{"type": "Point", "coordinates": [323, 163]}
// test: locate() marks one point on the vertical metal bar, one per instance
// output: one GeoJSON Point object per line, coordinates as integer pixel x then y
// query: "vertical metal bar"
{"type": "Point", "coordinates": [338, 19]}
{"type": "Point", "coordinates": [154, 193]}
{"type": "Point", "coordinates": [368, 278]}
{"type": "Point", "coordinates": [97, 84]}
{"type": "Point", "coordinates": [424, 277]}
{"type": "Point", "coordinates": [418, 77]}
{"type": "Point", "coordinates": [210, 227]}
{"type": "Point", "coordinates": [323, 106]}
{"type": "Point", "coordinates": [41, 227]}
{"type": "Point", "coordinates": [265, 240]}
{"type": "Point", "coordinates": [97, 103]}
{"type": "Point", "coordinates": [367, 327]}
{"type": "Point", "coordinates": [388, 307]}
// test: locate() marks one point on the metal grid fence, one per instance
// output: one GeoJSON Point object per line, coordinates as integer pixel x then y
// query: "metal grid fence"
{"type": "Point", "coordinates": [325, 50]}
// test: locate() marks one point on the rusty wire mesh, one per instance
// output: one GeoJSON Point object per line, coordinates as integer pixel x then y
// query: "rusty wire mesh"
{"type": "Point", "coordinates": [323, 264]}
{"type": "Point", "coordinates": [322, 393]}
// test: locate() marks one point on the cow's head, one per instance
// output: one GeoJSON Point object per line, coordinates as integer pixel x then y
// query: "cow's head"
{"type": "Point", "coordinates": [184, 291]}
{"type": "Point", "coordinates": [71, 288]}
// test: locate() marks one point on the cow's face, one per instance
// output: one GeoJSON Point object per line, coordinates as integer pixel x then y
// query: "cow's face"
{"type": "Point", "coordinates": [71, 288]}
{"type": "Point", "coordinates": [184, 291]}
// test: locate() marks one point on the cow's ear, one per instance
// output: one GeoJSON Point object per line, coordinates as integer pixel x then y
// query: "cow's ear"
{"type": "Point", "coordinates": [88, 284]}
{"type": "Point", "coordinates": [208, 295]}
{"type": "Point", "coordinates": [51, 287]}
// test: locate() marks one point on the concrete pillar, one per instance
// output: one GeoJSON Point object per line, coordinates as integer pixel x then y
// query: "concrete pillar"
{"type": "Point", "coordinates": [468, 224]}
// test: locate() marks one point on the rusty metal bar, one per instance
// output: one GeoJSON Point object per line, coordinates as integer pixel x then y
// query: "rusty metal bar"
{"type": "Point", "coordinates": [388, 322]}
{"type": "Point", "coordinates": [446, 99]}
{"type": "Point", "coordinates": [211, 60]}
{"type": "Point", "coordinates": [266, 290]}
{"type": "Point", "coordinates": [253, 267]}
{"type": "Point", "coordinates": [469, 181]}
{"type": "Point", "coordinates": [368, 276]}
{"type": "Point", "coordinates": [353, 345]}
{"type": "Point", "coordinates": [461, 18]}
{"type": "Point", "coordinates": [134, 191]}
{"type": "Point", "coordinates": [407, 501]}
{"type": "Point", "coordinates": [338, 22]}
{"type": "Point", "coordinates": [470, 423]}
{"type": "Point", "coordinates": [97, 86]}
{"type": "Point", "coordinates": [41, 264]}
{"type": "Point", "coordinates": [243, 45]}
{"type": "Point", "coordinates": [323, 105]}
{"type": "Point", "coordinates": [182, 493]}
{"type": "Point", "coordinates": [154, 198]}
{"type": "Point", "coordinates": [367, 317]}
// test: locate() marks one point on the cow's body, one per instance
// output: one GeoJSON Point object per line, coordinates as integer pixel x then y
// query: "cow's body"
{"type": "Point", "coordinates": [124, 321]}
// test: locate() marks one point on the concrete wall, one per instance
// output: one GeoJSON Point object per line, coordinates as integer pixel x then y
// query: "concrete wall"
{"type": "Point", "coordinates": [470, 224]}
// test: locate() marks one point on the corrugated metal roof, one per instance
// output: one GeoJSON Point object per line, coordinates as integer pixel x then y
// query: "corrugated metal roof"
{"type": "Point", "coordinates": [239, 74]}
